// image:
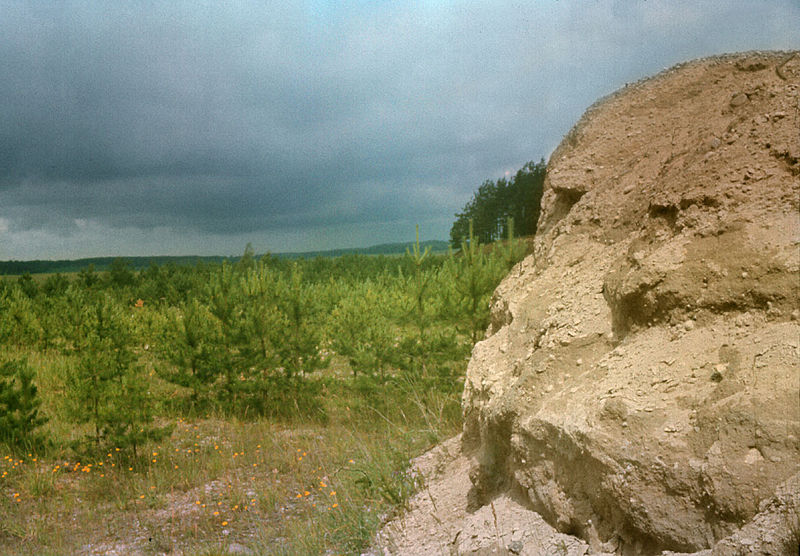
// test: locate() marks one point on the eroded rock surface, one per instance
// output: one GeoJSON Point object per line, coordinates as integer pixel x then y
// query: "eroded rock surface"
{"type": "Point", "coordinates": [642, 387]}
{"type": "Point", "coordinates": [638, 391]}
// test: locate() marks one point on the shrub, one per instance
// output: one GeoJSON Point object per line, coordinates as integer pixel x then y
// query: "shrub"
{"type": "Point", "coordinates": [19, 406]}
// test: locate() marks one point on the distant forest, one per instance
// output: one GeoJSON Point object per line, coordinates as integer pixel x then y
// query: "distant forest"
{"type": "Point", "coordinates": [495, 203]}
{"type": "Point", "coordinates": [15, 268]}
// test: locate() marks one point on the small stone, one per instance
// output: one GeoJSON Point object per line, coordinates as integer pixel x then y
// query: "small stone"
{"type": "Point", "coordinates": [688, 325]}
{"type": "Point", "coordinates": [738, 99]}
{"type": "Point", "coordinates": [753, 456]}
{"type": "Point", "coordinates": [516, 547]}
{"type": "Point", "coordinates": [579, 362]}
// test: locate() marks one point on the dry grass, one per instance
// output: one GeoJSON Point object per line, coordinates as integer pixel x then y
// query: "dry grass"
{"type": "Point", "coordinates": [299, 488]}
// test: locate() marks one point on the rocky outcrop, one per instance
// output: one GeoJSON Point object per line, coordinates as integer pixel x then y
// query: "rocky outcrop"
{"type": "Point", "coordinates": [638, 387]}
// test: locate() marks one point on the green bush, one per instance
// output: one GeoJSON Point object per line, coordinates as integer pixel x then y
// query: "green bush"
{"type": "Point", "coordinates": [19, 407]}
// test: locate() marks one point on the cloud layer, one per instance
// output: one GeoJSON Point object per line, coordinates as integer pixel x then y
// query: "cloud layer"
{"type": "Point", "coordinates": [167, 128]}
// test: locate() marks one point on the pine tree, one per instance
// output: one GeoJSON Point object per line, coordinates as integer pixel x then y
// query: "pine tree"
{"type": "Point", "coordinates": [19, 407]}
{"type": "Point", "coordinates": [107, 388]}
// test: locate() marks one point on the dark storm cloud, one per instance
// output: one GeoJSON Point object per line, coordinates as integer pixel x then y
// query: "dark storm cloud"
{"type": "Point", "coordinates": [265, 117]}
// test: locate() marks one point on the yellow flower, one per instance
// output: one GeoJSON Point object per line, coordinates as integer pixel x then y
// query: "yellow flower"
{"type": "Point", "coordinates": [224, 523]}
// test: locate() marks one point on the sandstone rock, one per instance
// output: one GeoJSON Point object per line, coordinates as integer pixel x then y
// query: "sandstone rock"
{"type": "Point", "coordinates": [633, 454]}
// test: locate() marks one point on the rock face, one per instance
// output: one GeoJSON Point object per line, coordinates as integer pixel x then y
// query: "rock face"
{"type": "Point", "coordinates": [639, 383]}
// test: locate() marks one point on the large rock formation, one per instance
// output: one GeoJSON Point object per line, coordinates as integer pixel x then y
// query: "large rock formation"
{"type": "Point", "coordinates": [638, 387]}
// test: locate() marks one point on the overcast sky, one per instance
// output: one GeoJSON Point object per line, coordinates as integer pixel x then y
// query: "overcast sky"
{"type": "Point", "coordinates": [153, 128]}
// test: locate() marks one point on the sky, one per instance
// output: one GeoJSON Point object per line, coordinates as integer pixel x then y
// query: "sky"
{"type": "Point", "coordinates": [177, 128]}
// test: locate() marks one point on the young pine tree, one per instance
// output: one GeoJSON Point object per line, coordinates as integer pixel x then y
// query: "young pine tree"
{"type": "Point", "coordinates": [19, 407]}
{"type": "Point", "coordinates": [361, 332]}
{"type": "Point", "coordinates": [107, 388]}
{"type": "Point", "coordinates": [190, 346]}
{"type": "Point", "coordinates": [299, 348]}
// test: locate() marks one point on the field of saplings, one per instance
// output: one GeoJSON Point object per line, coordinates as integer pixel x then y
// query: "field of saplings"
{"type": "Point", "coordinates": [263, 405]}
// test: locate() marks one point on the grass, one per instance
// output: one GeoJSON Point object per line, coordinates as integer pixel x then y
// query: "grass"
{"type": "Point", "coordinates": [305, 487]}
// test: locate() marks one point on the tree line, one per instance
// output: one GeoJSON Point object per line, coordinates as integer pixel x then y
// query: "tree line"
{"type": "Point", "coordinates": [496, 204]}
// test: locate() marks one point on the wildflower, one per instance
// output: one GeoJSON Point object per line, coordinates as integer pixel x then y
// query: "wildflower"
{"type": "Point", "coordinates": [141, 496]}
{"type": "Point", "coordinates": [306, 493]}
{"type": "Point", "coordinates": [224, 523]}
{"type": "Point", "coordinates": [216, 513]}
{"type": "Point", "coordinates": [333, 493]}
{"type": "Point", "coordinates": [335, 505]}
